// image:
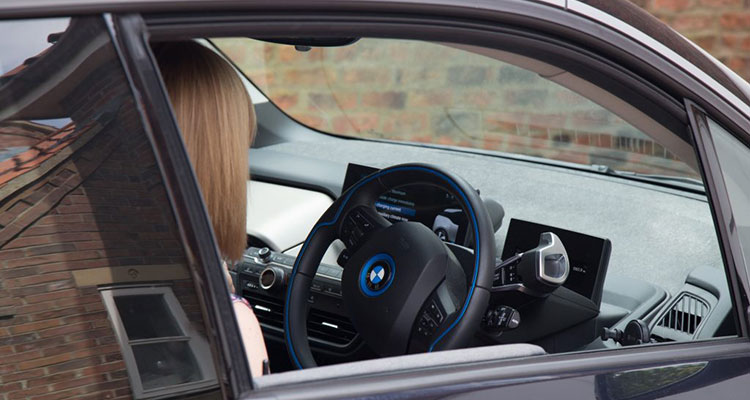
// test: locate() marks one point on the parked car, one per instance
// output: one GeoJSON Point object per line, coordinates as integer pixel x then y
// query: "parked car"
{"type": "Point", "coordinates": [598, 160]}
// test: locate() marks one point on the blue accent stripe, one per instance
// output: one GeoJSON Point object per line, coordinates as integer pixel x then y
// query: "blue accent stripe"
{"type": "Point", "coordinates": [336, 217]}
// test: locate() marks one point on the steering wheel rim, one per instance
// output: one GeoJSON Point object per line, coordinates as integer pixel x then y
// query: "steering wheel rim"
{"type": "Point", "coordinates": [456, 332]}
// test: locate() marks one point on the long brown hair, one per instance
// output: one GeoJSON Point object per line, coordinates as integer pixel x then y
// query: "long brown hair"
{"type": "Point", "coordinates": [217, 120]}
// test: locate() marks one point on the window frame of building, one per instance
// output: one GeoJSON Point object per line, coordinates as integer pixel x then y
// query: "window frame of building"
{"type": "Point", "coordinates": [197, 343]}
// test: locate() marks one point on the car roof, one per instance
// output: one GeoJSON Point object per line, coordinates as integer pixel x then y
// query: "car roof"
{"type": "Point", "coordinates": [622, 10]}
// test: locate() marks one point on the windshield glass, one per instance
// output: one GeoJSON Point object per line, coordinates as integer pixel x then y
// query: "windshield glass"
{"type": "Point", "coordinates": [423, 92]}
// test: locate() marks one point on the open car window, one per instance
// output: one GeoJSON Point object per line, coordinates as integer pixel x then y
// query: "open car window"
{"type": "Point", "coordinates": [409, 101]}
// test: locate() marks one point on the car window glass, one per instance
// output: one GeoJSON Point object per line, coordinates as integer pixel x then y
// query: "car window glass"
{"type": "Point", "coordinates": [734, 159]}
{"type": "Point", "coordinates": [84, 211]}
{"type": "Point", "coordinates": [644, 255]}
{"type": "Point", "coordinates": [439, 94]}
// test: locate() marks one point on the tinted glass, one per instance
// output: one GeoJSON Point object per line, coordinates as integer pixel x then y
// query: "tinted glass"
{"type": "Point", "coordinates": [82, 206]}
{"type": "Point", "coordinates": [166, 364]}
{"type": "Point", "coordinates": [734, 158]}
{"type": "Point", "coordinates": [146, 317]}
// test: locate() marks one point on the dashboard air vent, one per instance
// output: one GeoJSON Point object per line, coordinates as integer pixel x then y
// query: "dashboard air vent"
{"type": "Point", "coordinates": [330, 327]}
{"type": "Point", "coordinates": [321, 325]}
{"type": "Point", "coordinates": [685, 314]}
{"type": "Point", "coordinates": [268, 309]}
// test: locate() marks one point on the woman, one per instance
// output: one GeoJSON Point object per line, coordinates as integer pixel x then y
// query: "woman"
{"type": "Point", "coordinates": [217, 121]}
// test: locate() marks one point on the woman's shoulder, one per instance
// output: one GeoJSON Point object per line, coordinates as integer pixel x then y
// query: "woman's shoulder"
{"type": "Point", "coordinates": [238, 299]}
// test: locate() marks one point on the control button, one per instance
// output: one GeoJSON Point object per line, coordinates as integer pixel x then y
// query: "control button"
{"type": "Point", "coordinates": [272, 278]}
{"type": "Point", "coordinates": [264, 254]}
{"type": "Point", "coordinates": [435, 312]}
{"type": "Point", "coordinates": [251, 285]}
{"type": "Point", "coordinates": [362, 221]}
{"type": "Point", "coordinates": [250, 253]}
{"type": "Point", "coordinates": [311, 299]}
{"type": "Point", "coordinates": [350, 241]}
{"type": "Point", "coordinates": [347, 228]}
{"type": "Point", "coordinates": [344, 257]}
{"type": "Point", "coordinates": [332, 290]}
{"type": "Point", "coordinates": [501, 318]}
{"type": "Point", "coordinates": [316, 287]}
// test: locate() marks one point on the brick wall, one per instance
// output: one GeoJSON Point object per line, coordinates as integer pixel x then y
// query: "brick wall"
{"type": "Point", "coordinates": [103, 206]}
{"type": "Point", "coordinates": [721, 27]}
{"type": "Point", "coordinates": [428, 94]}
{"type": "Point", "coordinates": [424, 92]}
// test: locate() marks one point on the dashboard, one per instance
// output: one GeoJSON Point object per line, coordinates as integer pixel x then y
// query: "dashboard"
{"type": "Point", "coordinates": [601, 297]}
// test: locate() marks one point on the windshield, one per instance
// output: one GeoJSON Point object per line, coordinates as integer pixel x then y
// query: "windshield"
{"type": "Point", "coordinates": [414, 91]}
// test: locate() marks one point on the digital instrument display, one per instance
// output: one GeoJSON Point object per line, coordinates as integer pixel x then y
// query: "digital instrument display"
{"type": "Point", "coordinates": [589, 255]}
{"type": "Point", "coordinates": [427, 204]}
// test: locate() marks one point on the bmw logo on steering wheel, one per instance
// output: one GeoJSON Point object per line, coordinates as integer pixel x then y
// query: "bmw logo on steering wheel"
{"type": "Point", "coordinates": [377, 275]}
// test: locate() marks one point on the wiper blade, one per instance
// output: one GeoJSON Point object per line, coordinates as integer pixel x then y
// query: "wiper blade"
{"type": "Point", "coordinates": [677, 181]}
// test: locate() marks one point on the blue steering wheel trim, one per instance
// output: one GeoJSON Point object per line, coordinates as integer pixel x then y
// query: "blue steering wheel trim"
{"type": "Point", "coordinates": [336, 217]}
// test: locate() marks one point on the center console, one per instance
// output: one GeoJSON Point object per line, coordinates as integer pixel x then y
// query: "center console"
{"type": "Point", "coordinates": [262, 279]}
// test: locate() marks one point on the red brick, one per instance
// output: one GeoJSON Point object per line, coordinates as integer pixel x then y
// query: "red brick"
{"type": "Point", "coordinates": [51, 378]}
{"type": "Point", "coordinates": [52, 296]}
{"type": "Point", "coordinates": [95, 298]}
{"type": "Point", "coordinates": [58, 219]}
{"type": "Point", "coordinates": [28, 393]}
{"type": "Point", "coordinates": [693, 22]}
{"type": "Point", "coordinates": [58, 313]}
{"type": "Point", "coordinates": [79, 382]}
{"type": "Point", "coordinates": [39, 362]}
{"type": "Point", "coordinates": [66, 329]}
{"type": "Point", "coordinates": [69, 347]}
{"type": "Point", "coordinates": [99, 350]}
{"type": "Point", "coordinates": [102, 368]}
{"type": "Point", "coordinates": [43, 278]}
{"type": "Point", "coordinates": [6, 350]}
{"type": "Point", "coordinates": [52, 258]}
{"type": "Point", "coordinates": [5, 337]}
{"type": "Point", "coordinates": [85, 317]}
{"type": "Point", "coordinates": [11, 254]}
{"type": "Point", "coordinates": [7, 369]}
{"type": "Point", "coordinates": [16, 358]}
{"type": "Point", "coordinates": [91, 334]}
{"type": "Point", "coordinates": [736, 20]}
{"type": "Point", "coordinates": [18, 272]}
{"type": "Point", "coordinates": [671, 5]}
{"type": "Point", "coordinates": [40, 344]}
{"type": "Point", "coordinates": [35, 326]}
{"type": "Point", "coordinates": [74, 364]}
{"type": "Point", "coordinates": [720, 3]}
{"type": "Point", "coordinates": [390, 99]}
{"type": "Point", "coordinates": [22, 376]}
{"type": "Point", "coordinates": [50, 249]}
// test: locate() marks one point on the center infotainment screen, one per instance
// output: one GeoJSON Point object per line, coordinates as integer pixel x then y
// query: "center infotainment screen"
{"type": "Point", "coordinates": [427, 204]}
{"type": "Point", "coordinates": [589, 255]}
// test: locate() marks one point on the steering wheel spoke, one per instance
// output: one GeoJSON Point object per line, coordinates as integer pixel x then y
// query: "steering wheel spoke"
{"type": "Point", "coordinates": [358, 225]}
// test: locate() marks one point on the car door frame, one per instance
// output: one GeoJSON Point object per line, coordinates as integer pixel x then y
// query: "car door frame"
{"type": "Point", "coordinates": [130, 40]}
{"type": "Point", "coordinates": [447, 379]}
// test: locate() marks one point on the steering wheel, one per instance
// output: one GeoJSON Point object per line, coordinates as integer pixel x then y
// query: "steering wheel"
{"type": "Point", "coordinates": [404, 289]}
